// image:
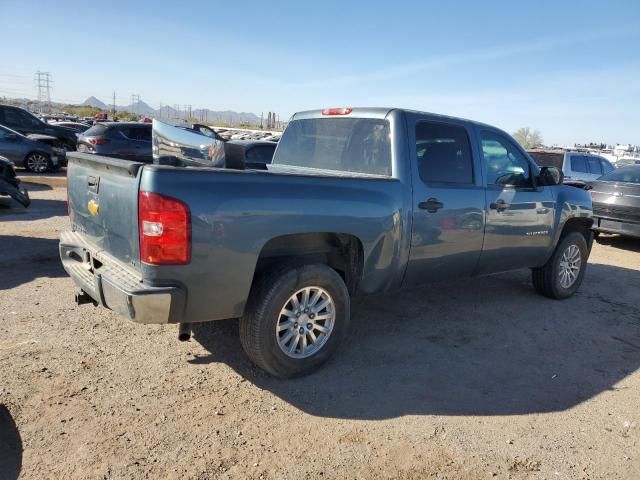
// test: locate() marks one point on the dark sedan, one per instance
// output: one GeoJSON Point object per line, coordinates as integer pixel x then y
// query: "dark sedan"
{"type": "Point", "coordinates": [36, 156]}
{"type": "Point", "coordinates": [616, 202]}
{"type": "Point", "coordinates": [21, 121]}
{"type": "Point", "coordinates": [125, 140]}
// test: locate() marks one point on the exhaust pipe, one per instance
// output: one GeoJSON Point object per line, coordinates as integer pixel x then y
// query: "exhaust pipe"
{"type": "Point", "coordinates": [184, 332]}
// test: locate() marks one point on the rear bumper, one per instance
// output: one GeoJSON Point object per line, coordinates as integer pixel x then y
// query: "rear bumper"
{"type": "Point", "coordinates": [618, 225]}
{"type": "Point", "coordinates": [115, 286]}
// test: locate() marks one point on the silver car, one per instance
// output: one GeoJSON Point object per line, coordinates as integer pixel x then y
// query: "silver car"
{"type": "Point", "coordinates": [37, 157]}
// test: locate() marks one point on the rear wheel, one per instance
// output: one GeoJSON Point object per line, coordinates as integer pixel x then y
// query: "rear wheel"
{"type": "Point", "coordinates": [38, 162]}
{"type": "Point", "coordinates": [295, 319]}
{"type": "Point", "coordinates": [562, 275]}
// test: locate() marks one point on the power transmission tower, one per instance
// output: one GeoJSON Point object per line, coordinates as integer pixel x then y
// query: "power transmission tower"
{"type": "Point", "coordinates": [135, 101]}
{"type": "Point", "coordinates": [43, 82]}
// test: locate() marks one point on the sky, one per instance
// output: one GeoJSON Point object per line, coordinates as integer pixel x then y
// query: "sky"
{"type": "Point", "coordinates": [570, 69]}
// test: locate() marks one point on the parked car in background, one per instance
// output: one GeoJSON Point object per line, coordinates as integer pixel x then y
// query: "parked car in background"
{"type": "Point", "coordinates": [25, 152]}
{"type": "Point", "coordinates": [10, 185]}
{"type": "Point", "coordinates": [355, 201]}
{"type": "Point", "coordinates": [576, 166]}
{"type": "Point", "coordinates": [126, 140]}
{"type": "Point", "coordinates": [251, 154]}
{"type": "Point", "coordinates": [616, 201]}
{"type": "Point", "coordinates": [22, 121]}
{"type": "Point", "coordinates": [75, 126]}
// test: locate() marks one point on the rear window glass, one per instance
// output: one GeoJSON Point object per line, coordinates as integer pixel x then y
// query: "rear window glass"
{"type": "Point", "coordinates": [359, 145]}
{"type": "Point", "coordinates": [548, 159]}
{"type": "Point", "coordinates": [95, 130]}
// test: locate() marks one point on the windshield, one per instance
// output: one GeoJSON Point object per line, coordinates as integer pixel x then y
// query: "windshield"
{"type": "Point", "coordinates": [626, 174]}
{"type": "Point", "coordinates": [359, 145]}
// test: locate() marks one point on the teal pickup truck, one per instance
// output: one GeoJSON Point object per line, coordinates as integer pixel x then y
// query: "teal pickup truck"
{"type": "Point", "coordinates": [356, 201]}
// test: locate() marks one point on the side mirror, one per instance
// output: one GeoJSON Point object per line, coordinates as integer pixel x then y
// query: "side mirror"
{"type": "Point", "coordinates": [550, 176]}
{"type": "Point", "coordinates": [11, 136]}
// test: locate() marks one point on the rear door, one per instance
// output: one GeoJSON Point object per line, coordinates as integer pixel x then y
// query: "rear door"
{"type": "Point", "coordinates": [103, 196]}
{"type": "Point", "coordinates": [448, 202]}
{"type": "Point", "coordinates": [12, 149]}
{"type": "Point", "coordinates": [520, 213]}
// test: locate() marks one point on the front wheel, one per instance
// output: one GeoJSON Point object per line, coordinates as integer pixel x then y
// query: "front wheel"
{"type": "Point", "coordinates": [561, 276]}
{"type": "Point", "coordinates": [295, 319]}
{"type": "Point", "coordinates": [38, 162]}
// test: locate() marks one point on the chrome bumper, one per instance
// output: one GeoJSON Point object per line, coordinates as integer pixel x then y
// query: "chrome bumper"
{"type": "Point", "coordinates": [115, 286]}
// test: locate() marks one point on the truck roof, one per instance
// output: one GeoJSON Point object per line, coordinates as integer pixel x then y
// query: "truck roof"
{"type": "Point", "coordinates": [382, 112]}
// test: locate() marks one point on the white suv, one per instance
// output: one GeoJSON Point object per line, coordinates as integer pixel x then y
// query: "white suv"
{"type": "Point", "coordinates": [575, 165]}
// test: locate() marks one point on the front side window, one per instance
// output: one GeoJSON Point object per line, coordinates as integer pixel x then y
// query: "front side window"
{"type": "Point", "coordinates": [443, 153]}
{"type": "Point", "coordinates": [579, 164]}
{"type": "Point", "coordinates": [506, 165]}
{"type": "Point", "coordinates": [595, 166]}
{"type": "Point", "coordinates": [606, 166]}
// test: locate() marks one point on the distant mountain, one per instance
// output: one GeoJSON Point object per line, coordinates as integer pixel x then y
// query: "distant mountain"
{"type": "Point", "coordinates": [210, 116]}
{"type": "Point", "coordinates": [94, 102]}
{"type": "Point", "coordinates": [139, 107]}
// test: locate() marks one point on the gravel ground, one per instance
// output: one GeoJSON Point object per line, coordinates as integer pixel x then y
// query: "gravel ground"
{"type": "Point", "coordinates": [471, 379]}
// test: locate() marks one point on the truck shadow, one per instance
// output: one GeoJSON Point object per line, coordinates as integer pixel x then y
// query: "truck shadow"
{"type": "Point", "coordinates": [10, 446]}
{"type": "Point", "coordinates": [10, 210]}
{"type": "Point", "coordinates": [618, 241]}
{"type": "Point", "coordinates": [487, 346]}
{"type": "Point", "coordinates": [23, 259]}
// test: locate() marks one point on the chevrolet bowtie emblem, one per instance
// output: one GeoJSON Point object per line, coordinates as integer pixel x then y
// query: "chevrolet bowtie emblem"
{"type": "Point", "coordinates": [93, 207]}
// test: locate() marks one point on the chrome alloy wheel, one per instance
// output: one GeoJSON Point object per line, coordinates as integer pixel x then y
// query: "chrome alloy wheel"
{"type": "Point", "coordinates": [305, 322]}
{"type": "Point", "coordinates": [570, 266]}
{"type": "Point", "coordinates": [37, 162]}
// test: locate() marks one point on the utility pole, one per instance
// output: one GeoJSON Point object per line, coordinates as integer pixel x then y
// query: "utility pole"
{"type": "Point", "coordinates": [160, 109]}
{"type": "Point", "coordinates": [43, 82]}
{"type": "Point", "coordinates": [113, 109]}
{"type": "Point", "coordinates": [261, 115]}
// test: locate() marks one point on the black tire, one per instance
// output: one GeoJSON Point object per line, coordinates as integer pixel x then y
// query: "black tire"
{"type": "Point", "coordinates": [269, 296]}
{"type": "Point", "coordinates": [38, 162]}
{"type": "Point", "coordinates": [546, 279]}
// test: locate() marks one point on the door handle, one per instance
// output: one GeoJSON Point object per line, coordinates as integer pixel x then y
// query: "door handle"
{"type": "Point", "coordinates": [432, 205]}
{"type": "Point", "coordinates": [499, 205]}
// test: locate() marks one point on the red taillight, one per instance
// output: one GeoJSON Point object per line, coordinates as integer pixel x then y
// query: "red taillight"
{"type": "Point", "coordinates": [593, 194]}
{"type": "Point", "coordinates": [97, 141]}
{"type": "Point", "coordinates": [337, 111]}
{"type": "Point", "coordinates": [164, 224]}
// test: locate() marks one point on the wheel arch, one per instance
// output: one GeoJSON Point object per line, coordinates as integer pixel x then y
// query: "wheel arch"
{"type": "Point", "coordinates": [343, 252]}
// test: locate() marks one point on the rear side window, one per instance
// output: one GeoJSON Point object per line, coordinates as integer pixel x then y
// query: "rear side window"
{"type": "Point", "coordinates": [358, 145]}
{"type": "Point", "coordinates": [595, 166]}
{"type": "Point", "coordinates": [137, 133]}
{"type": "Point", "coordinates": [579, 164]}
{"type": "Point", "coordinates": [444, 153]}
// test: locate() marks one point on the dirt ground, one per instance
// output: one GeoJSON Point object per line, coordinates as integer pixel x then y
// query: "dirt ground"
{"type": "Point", "coordinates": [470, 379]}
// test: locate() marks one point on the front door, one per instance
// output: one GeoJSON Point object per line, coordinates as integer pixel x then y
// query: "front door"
{"type": "Point", "coordinates": [448, 202]}
{"type": "Point", "coordinates": [520, 214]}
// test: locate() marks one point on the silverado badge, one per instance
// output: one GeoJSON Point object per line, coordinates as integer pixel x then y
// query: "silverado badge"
{"type": "Point", "coordinates": [93, 207]}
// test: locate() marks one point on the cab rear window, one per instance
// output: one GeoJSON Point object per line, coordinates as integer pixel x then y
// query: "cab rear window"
{"type": "Point", "coordinates": [359, 145]}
